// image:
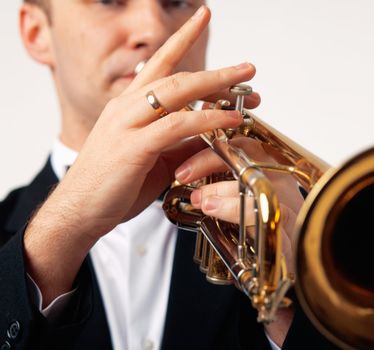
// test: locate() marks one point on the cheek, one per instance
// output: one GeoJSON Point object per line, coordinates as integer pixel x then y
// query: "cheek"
{"type": "Point", "coordinates": [78, 56]}
{"type": "Point", "coordinates": [77, 69]}
{"type": "Point", "coordinates": [69, 52]}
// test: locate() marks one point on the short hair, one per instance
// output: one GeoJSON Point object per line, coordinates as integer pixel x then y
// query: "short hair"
{"type": "Point", "coordinates": [43, 4]}
{"type": "Point", "coordinates": [36, 2]}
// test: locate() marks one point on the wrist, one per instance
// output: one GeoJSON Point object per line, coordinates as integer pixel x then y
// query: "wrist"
{"type": "Point", "coordinates": [55, 248]}
{"type": "Point", "coordinates": [76, 212]}
{"type": "Point", "coordinates": [278, 329]}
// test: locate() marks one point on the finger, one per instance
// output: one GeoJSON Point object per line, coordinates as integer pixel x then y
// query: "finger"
{"type": "Point", "coordinates": [164, 61]}
{"type": "Point", "coordinates": [221, 189]}
{"type": "Point", "coordinates": [188, 87]}
{"type": "Point", "coordinates": [228, 209]}
{"type": "Point", "coordinates": [207, 161]}
{"type": "Point", "coordinates": [175, 127]}
{"type": "Point", "coordinates": [251, 101]}
{"type": "Point", "coordinates": [285, 185]}
{"type": "Point", "coordinates": [253, 148]}
{"type": "Point", "coordinates": [288, 219]}
{"type": "Point", "coordinates": [173, 156]}
{"type": "Point", "coordinates": [199, 165]}
{"type": "Point", "coordinates": [177, 91]}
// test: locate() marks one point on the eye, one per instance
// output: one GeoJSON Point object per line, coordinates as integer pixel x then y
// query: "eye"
{"type": "Point", "coordinates": [111, 2]}
{"type": "Point", "coordinates": [180, 4]}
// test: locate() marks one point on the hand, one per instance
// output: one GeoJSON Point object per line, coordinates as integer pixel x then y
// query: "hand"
{"type": "Point", "coordinates": [131, 154]}
{"type": "Point", "coordinates": [128, 159]}
{"type": "Point", "coordinates": [221, 200]}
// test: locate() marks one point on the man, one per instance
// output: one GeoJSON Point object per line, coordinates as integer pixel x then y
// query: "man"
{"type": "Point", "coordinates": [70, 277]}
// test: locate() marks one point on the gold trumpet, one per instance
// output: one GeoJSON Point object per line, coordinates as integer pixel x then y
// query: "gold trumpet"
{"type": "Point", "coordinates": [334, 235]}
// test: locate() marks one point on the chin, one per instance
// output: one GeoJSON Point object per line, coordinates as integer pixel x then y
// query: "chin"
{"type": "Point", "coordinates": [120, 84]}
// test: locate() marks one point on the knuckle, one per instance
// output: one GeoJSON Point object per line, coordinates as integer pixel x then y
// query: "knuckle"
{"type": "Point", "coordinates": [111, 109]}
{"type": "Point", "coordinates": [182, 75]}
{"type": "Point", "coordinates": [236, 209]}
{"type": "Point", "coordinates": [220, 75]}
{"type": "Point", "coordinates": [175, 81]}
{"type": "Point", "coordinates": [209, 190]}
{"type": "Point", "coordinates": [252, 148]}
{"type": "Point", "coordinates": [218, 189]}
{"type": "Point", "coordinates": [205, 115]}
{"type": "Point", "coordinates": [171, 122]}
{"type": "Point", "coordinates": [112, 105]}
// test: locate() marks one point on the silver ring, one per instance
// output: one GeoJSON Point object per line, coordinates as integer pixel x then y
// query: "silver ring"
{"type": "Point", "coordinates": [155, 104]}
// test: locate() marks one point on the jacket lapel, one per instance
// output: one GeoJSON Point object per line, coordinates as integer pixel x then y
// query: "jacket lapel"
{"type": "Point", "coordinates": [32, 196]}
{"type": "Point", "coordinates": [196, 309]}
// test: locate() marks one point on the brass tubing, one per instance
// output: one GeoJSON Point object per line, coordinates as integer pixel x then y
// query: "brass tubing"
{"type": "Point", "coordinates": [305, 166]}
{"type": "Point", "coordinates": [205, 253]}
{"type": "Point", "coordinates": [338, 303]}
{"type": "Point", "coordinates": [198, 255]}
{"type": "Point", "coordinates": [218, 273]}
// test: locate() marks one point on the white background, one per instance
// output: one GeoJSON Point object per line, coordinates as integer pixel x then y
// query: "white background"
{"type": "Point", "coordinates": [315, 64]}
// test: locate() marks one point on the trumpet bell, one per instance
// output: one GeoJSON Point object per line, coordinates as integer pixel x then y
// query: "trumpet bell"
{"type": "Point", "coordinates": [333, 247]}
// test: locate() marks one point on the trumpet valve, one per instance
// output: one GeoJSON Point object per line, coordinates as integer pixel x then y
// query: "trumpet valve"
{"type": "Point", "coordinates": [240, 91]}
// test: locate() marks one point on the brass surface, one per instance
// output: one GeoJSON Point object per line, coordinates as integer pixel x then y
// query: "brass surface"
{"type": "Point", "coordinates": [197, 258]}
{"type": "Point", "coordinates": [217, 272]}
{"type": "Point", "coordinates": [205, 254]}
{"type": "Point", "coordinates": [340, 308]}
{"type": "Point", "coordinates": [336, 292]}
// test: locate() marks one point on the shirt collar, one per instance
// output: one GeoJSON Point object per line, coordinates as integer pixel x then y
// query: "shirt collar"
{"type": "Point", "coordinates": [62, 158]}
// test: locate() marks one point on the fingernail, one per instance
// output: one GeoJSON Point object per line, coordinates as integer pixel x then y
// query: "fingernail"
{"type": "Point", "coordinates": [233, 114]}
{"type": "Point", "coordinates": [182, 173]}
{"type": "Point", "coordinates": [199, 12]}
{"type": "Point", "coordinates": [196, 198]}
{"type": "Point", "coordinates": [243, 66]}
{"type": "Point", "coordinates": [212, 203]}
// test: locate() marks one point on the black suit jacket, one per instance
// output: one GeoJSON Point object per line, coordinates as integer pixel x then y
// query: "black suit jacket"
{"type": "Point", "coordinates": [199, 315]}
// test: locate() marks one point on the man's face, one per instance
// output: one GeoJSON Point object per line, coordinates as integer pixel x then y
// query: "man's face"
{"type": "Point", "coordinates": [97, 44]}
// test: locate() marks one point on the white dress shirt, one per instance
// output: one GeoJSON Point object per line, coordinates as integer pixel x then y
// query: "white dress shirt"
{"type": "Point", "coordinates": [133, 265]}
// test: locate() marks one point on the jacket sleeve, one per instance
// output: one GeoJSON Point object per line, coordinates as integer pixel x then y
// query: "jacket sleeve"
{"type": "Point", "coordinates": [303, 335]}
{"type": "Point", "coordinates": [22, 326]}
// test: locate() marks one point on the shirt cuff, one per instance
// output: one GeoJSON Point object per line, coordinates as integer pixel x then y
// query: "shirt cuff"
{"type": "Point", "coordinates": [55, 308]}
{"type": "Point", "coordinates": [272, 344]}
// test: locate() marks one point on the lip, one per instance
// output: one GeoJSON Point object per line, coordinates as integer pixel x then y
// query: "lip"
{"type": "Point", "coordinates": [124, 70]}
{"type": "Point", "coordinates": [128, 76]}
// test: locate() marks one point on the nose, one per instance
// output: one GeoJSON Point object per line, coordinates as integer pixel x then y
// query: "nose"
{"type": "Point", "coordinates": [148, 25]}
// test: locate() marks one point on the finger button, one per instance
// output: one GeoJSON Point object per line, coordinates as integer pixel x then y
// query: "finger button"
{"type": "Point", "coordinates": [240, 90]}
